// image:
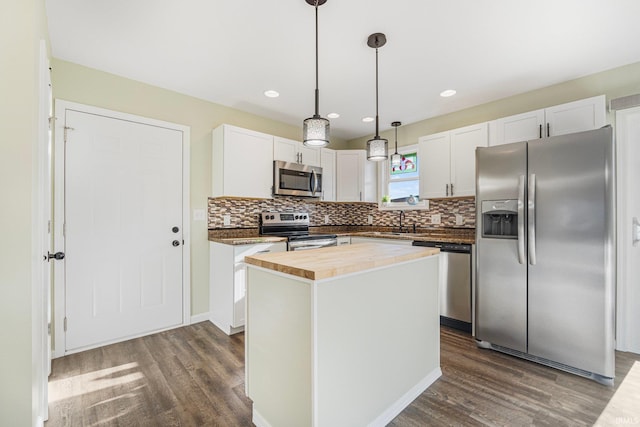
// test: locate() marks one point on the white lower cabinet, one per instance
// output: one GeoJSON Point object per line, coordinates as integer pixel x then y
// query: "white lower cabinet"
{"type": "Point", "coordinates": [227, 282]}
{"type": "Point", "coordinates": [355, 240]}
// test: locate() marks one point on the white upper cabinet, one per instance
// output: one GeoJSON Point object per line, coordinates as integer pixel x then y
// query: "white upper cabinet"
{"type": "Point", "coordinates": [447, 161]}
{"type": "Point", "coordinates": [235, 151]}
{"type": "Point", "coordinates": [292, 151]}
{"type": "Point", "coordinates": [356, 178]}
{"type": "Point", "coordinates": [577, 116]}
{"type": "Point", "coordinates": [328, 163]}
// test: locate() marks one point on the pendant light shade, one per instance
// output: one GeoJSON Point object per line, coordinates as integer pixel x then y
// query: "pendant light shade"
{"type": "Point", "coordinates": [396, 159]}
{"type": "Point", "coordinates": [377, 147]}
{"type": "Point", "coordinates": [315, 130]}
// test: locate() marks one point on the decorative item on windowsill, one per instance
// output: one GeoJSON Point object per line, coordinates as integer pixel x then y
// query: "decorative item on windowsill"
{"type": "Point", "coordinates": [385, 200]}
{"type": "Point", "coordinates": [377, 147]}
{"type": "Point", "coordinates": [412, 200]}
{"type": "Point", "coordinates": [315, 130]}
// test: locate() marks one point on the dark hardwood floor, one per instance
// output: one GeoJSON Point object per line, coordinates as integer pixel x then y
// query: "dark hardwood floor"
{"type": "Point", "coordinates": [194, 376]}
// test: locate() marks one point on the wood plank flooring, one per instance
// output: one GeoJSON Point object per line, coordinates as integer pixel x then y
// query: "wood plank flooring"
{"type": "Point", "coordinates": [194, 376]}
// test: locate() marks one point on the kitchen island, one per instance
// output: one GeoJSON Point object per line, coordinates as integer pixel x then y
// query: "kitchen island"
{"type": "Point", "coordinates": [340, 336]}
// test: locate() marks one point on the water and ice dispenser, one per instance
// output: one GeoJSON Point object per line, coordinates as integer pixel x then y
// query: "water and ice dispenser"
{"type": "Point", "coordinates": [500, 219]}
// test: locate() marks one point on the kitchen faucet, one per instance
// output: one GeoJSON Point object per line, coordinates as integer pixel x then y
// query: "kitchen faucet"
{"type": "Point", "coordinates": [401, 216]}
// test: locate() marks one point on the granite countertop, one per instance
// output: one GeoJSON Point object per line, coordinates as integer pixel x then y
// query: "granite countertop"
{"type": "Point", "coordinates": [335, 261]}
{"type": "Point", "coordinates": [250, 236]}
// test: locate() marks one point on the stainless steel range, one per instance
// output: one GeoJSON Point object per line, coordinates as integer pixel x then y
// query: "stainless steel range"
{"type": "Point", "coordinates": [295, 227]}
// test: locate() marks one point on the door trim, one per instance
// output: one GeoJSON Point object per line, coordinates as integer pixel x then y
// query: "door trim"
{"type": "Point", "coordinates": [58, 225]}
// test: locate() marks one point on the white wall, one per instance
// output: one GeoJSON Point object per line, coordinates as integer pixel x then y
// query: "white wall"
{"type": "Point", "coordinates": [22, 25]}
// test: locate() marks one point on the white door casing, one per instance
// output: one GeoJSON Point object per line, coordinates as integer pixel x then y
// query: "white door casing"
{"type": "Point", "coordinates": [121, 186]}
{"type": "Point", "coordinates": [628, 177]}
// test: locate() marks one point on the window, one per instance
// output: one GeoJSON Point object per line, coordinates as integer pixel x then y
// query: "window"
{"type": "Point", "coordinates": [402, 181]}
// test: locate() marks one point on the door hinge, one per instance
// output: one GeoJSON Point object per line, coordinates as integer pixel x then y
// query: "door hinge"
{"type": "Point", "coordinates": [65, 324]}
{"type": "Point", "coordinates": [64, 229]}
{"type": "Point", "coordinates": [67, 128]}
{"type": "Point", "coordinates": [51, 119]}
{"type": "Point", "coordinates": [49, 227]}
{"type": "Point", "coordinates": [48, 328]}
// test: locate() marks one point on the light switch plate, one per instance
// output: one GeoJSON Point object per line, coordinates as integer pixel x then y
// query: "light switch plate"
{"type": "Point", "coordinates": [369, 219]}
{"type": "Point", "coordinates": [226, 220]}
{"type": "Point", "coordinates": [199, 215]}
{"type": "Point", "coordinates": [459, 219]}
{"type": "Point", "coordinates": [435, 219]}
{"type": "Point", "coordinates": [326, 219]}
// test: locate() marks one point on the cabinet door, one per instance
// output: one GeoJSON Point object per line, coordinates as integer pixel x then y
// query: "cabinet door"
{"type": "Point", "coordinates": [577, 116]}
{"type": "Point", "coordinates": [328, 164]}
{"type": "Point", "coordinates": [517, 128]}
{"type": "Point", "coordinates": [349, 175]}
{"type": "Point", "coordinates": [240, 276]}
{"type": "Point", "coordinates": [434, 164]}
{"type": "Point", "coordinates": [244, 150]}
{"type": "Point", "coordinates": [309, 156]}
{"type": "Point", "coordinates": [464, 142]}
{"type": "Point", "coordinates": [285, 149]}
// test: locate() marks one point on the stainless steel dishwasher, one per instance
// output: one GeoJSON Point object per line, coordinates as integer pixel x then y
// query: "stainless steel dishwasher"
{"type": "Point", "coordinates": [454, 283]}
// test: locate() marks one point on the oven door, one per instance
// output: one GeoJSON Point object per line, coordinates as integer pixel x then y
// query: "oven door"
{"type": "Point", "coordinates": [293, 179]}
{"type": "Point", "coordinates": [303, 245]}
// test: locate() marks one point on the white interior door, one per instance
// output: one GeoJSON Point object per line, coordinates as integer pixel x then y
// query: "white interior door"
{"type": "Point", "coordinates": [123, 229]}
{"type": "Point", "coordinates": [628, 145]}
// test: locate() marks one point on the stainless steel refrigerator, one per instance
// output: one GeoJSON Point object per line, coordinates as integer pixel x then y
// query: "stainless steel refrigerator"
{"type": "Point", "coordinates": [545, 270]}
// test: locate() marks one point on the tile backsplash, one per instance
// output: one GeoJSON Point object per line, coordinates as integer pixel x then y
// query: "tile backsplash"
{"type": "Point", "coordinates": [244, 212]}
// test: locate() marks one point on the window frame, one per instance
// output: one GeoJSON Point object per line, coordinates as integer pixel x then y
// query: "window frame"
{"type": "Point", "coordinates": [385, 179]}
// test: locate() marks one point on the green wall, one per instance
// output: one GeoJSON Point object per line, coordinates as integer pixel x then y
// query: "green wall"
{"type": "Point", "coordinates": [76, 83]}
{"type": "Point", "coordinates": [612, 83]}
{"type": "Point", "coordinates": [22, 26]}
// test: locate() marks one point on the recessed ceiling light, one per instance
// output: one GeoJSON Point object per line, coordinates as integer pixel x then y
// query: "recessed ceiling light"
{"type": "Point", "coordinates": [368, 119]}
{"type": "Point", "coordinates": [271, 93]}
{"type": "Point", "coordinates": [447, 93]}
{"type": "Point", "coordinates": [333, 115]}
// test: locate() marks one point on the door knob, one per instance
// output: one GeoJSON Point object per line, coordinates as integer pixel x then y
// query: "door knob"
{"type": "Point", "coordinates": [57, 255]}
{"type": "Point", "coordinates": [175, 229]}
{"type": "Point", "coordinates": [175, 243]}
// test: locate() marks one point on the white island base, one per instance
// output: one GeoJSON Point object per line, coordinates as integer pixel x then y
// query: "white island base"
{"type": "Point", "coordinates": [348, 350]}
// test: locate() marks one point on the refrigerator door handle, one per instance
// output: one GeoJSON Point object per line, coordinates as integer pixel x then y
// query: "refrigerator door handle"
{"type": "Point", "coordinates": [521, 257]}
{"type": "Point", "coordinates": [532, 218]}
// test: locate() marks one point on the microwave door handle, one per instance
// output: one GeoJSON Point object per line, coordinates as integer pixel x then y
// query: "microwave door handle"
{"type": "Point", "coordinates": [314, 182]}
{"type": "Point", "coordinates": [521, 257]}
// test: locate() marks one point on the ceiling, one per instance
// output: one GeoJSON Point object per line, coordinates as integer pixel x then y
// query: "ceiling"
{"type": "Point", "coordinates": [231, 51]}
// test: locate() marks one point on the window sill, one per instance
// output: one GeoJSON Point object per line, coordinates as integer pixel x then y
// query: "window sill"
{"type": "Point", "coordinates": [403, 206]}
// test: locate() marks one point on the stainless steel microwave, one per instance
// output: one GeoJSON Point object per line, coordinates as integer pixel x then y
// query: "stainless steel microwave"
{"type": "Point", "coordinates": [294, 179]}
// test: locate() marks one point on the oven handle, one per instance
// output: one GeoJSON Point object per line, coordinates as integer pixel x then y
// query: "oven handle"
{"type": "Point", "coordinates": [316, 244]}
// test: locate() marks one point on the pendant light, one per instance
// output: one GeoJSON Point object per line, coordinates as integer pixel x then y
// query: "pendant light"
{"type": "Point", "coordinates": [396, 159]}
{"type": "Point", "coordinates": [315, 130]}
{"type": "Point", "coordinates": [377, 147]}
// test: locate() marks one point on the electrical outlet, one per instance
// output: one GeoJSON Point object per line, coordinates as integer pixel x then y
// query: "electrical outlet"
{"type": "Point", "coordinates": [370, 219]}
{"type": "Point", "coordinates": [326, 219]}
{"type": "Point", "coordinates": [199, 215]}
{"type": "Point", "coordinates": [459, 219]}
{"type": "Point", "coordinates": [435, 219]}
{"type": "Point", "coordinates": [226, 220]}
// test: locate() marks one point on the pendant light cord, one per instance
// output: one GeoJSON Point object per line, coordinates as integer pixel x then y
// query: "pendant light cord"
{"type": "Point", "coordinates": [377, 136]}
{"type": "Point", "coordinates": [317, 114]}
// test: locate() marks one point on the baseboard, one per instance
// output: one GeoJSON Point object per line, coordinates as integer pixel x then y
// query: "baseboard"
{"type": "Point", "coordinates": [201, 317]}
{"type": "Point", "coordinates": [258, 419]}
{"type": "Point", "coordinates": [405, 400]}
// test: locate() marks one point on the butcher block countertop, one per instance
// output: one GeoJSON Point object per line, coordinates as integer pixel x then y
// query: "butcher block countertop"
{"type": "Point", "coordinates": [336, 261]}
